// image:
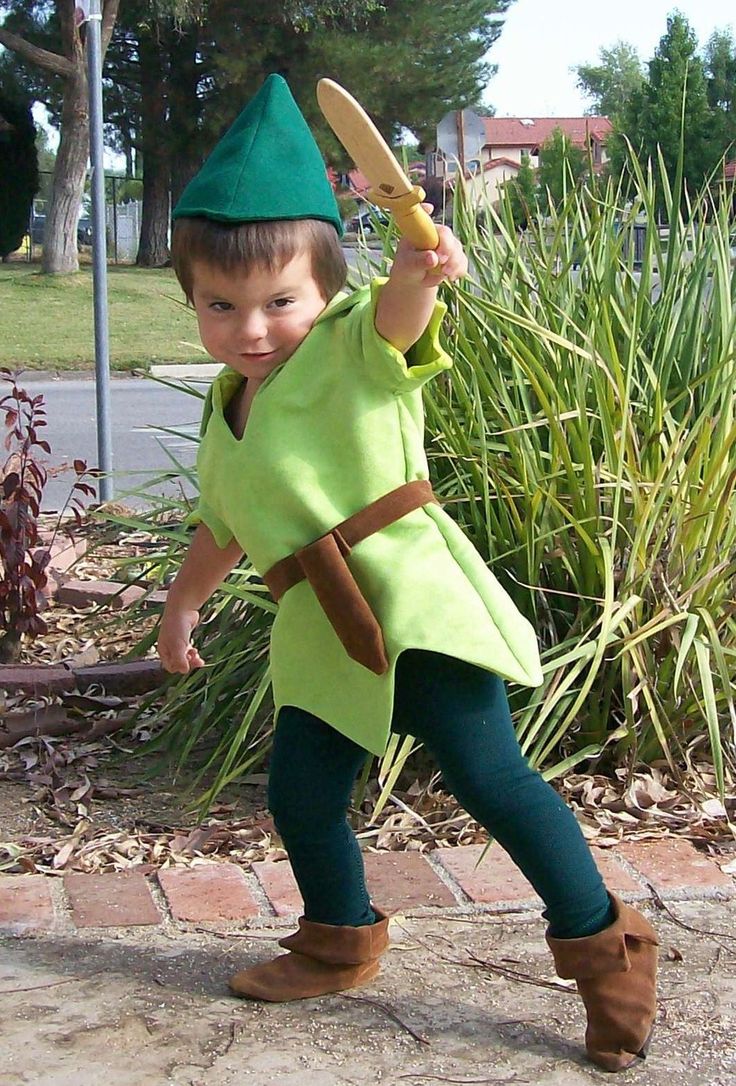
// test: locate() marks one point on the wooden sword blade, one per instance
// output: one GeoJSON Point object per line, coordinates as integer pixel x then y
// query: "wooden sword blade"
{"type": "Point", "coordinates": [362, 140]}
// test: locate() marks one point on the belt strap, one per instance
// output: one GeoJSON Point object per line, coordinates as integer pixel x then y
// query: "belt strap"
{"type": "Point", "coordinates": [372, 518]}
{"type": "Point", "coordinates": [323, 564]}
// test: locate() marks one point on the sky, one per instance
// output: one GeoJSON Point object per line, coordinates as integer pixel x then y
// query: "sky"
{"type": "Point", "coordinates": [543, 39]}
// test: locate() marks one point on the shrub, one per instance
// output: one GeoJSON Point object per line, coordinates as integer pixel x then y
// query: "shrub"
{"type": "Point", "coordinates": [23, 559]}
{"type": "Point", "coordinates": [587, 441]}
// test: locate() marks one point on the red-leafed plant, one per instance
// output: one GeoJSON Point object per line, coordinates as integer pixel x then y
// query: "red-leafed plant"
{"type": "Point", "coordinates": [22, 480]}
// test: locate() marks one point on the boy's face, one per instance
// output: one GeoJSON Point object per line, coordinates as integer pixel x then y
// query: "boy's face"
{"type": "Point", "coordinates": [253, 322]}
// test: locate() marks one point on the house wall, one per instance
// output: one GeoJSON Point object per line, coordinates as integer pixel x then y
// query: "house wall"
{"type": "Point", "coordinates": [516, 153]}
{"type": "Point", "coordinates": [508, 152]}
{"type": "Point", "coordinates": [485, 185]}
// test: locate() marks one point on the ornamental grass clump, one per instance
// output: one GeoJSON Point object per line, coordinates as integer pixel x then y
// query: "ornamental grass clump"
{"type": "Point", "coordinates": [586, 441]}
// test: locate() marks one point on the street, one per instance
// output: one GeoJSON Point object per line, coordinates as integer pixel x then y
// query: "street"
{"type": "Point", "coordinates": [139, 409]}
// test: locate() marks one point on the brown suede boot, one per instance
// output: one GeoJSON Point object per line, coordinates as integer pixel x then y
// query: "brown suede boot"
{"type": "Point", "coordinates": [616, 975]}
{"type": "Point", "coordinates": [322, 958]}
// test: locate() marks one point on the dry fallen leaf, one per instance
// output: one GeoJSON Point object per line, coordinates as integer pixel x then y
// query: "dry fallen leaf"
{"type": "Point", "coordinates": [713, 808]}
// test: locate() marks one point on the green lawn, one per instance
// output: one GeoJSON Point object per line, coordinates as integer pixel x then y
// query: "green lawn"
{"type": "Point", "coordinates": [46, 322]}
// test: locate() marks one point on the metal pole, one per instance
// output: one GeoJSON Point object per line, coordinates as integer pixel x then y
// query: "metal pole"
{"type": "Point", "coordinates": [99, 250]}
{"type": "Point", "coordinates": [115, 216]}
{"type": "Point", "coordinates": [460, 123]}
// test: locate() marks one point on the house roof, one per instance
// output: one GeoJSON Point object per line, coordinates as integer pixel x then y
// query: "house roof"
{"type": "Point", "coordinates": [359, 185]}
{"type": "Point", "coordinates": [730, 171]}
{"type": "Point", "coordinates": [358, 182]}
{"type": "Point", "coordinates": [533, 131]}
{"type": "Point", "coordinates": [492, 163]}
{"type": "Point", "coordinates": [353, 181]}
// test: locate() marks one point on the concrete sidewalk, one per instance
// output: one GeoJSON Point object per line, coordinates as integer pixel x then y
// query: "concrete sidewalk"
{"type": "Point", "coordinates": [120, 979]}
{"type": "Point", "coordinates": [459, 1000]}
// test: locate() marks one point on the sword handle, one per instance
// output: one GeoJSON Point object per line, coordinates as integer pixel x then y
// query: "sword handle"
{"type": "Point", "coordinates": [410, 217]}
{"type": "Point", "coordinates": [417, 226]}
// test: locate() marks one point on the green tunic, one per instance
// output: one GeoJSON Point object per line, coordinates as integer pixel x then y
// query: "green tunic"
{"type": "Point", "coordinates": [338, 425]}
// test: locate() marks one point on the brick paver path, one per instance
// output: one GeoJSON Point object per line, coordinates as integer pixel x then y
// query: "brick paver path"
{"type": "Point", "coordinates": [221, 893]}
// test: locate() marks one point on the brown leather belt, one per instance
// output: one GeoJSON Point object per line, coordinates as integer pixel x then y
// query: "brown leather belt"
{"type": "Point", "coordinates": [323, 564]}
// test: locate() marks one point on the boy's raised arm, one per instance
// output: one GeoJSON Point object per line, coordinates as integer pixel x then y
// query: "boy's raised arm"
{"type": "Point", "coordinates": [407, 300]}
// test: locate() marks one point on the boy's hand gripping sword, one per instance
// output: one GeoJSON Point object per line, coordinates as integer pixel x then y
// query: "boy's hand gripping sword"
{"type": "Point", "coordinates": [391, 189]}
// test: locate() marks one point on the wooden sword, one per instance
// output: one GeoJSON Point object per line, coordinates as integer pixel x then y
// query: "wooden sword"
{"type": "Point", "coordinates": [390, 189]}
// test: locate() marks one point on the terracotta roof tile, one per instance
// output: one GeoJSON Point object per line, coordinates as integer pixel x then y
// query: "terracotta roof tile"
{"type": "Point", "coordinates": [513, 132]}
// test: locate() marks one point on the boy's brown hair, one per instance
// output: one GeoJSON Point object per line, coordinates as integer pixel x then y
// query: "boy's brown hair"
{"type": "Point", "coordinates": [268, 245]}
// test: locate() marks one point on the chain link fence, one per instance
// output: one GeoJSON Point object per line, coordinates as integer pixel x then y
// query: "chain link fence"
{"type": "Point", "coordinates": [122, 212]}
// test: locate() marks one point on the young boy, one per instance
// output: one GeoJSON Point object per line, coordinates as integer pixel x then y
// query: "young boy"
{"type": "Point", "coordinates": [312, 462]}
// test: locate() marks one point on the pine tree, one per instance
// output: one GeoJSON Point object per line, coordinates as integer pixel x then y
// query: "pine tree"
{"type": "Point", "coordinates": [561, 167]}
{"type": "Point", "coordinates": [522, 194]}
{"type": "Point", "coordinates": [407, 63]}
{"type": "Point", "coordinates": [671, 112]}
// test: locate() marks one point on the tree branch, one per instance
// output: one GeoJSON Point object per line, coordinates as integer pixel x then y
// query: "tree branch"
{"type": "Point", "coordinates": [109, 15]}
{"type": "Point", "coordinates": [42, 58]}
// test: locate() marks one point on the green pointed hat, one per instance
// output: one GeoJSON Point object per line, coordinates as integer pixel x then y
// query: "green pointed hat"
{"type": "Point", "coordinates": [266, 166]}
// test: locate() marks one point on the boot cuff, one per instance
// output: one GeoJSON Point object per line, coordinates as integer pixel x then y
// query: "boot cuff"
{"type": "Point", "coordinates": [337, 944]}
{"type": "Point", "coordinates": [605, 952]}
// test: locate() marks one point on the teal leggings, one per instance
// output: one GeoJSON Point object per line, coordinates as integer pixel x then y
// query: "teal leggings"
{"type": "Point", "coordinates": [461, 714]}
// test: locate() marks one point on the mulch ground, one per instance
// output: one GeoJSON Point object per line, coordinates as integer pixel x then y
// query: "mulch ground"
{"type": "Point", "coordinates": [88, 802]}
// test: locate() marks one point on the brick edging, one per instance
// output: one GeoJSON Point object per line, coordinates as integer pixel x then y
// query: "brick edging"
{"type": "Point", "coordinates": [444, 882]}
{"type": "Point", "coordinates": [123, 678]}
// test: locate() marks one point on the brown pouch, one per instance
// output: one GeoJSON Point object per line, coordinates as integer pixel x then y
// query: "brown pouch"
{"type": "Point", "coordinates": [324, 566]}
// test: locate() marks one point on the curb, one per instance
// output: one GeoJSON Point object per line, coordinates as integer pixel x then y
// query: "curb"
{"type": "Point", "coordinates": [31, 376]}
{"type": "Point", "coordinates": [193, 370]}
{"type": "Point", "coordinates": [446, 882]}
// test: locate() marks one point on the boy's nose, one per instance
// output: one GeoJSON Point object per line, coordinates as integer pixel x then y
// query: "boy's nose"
{"type": "Point", "coordinates": [253, 327]}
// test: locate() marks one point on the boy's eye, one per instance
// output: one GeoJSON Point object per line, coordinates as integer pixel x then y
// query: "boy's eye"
{"type": "Point", "coordinates": [281, 303]}
{"type": "Point", "coordinates": [220, 307]}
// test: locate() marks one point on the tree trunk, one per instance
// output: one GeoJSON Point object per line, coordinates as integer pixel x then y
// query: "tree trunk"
{"type": "Point", "coordinates": [62, 212]}
{"type": "Point", "coordinates": [153, 248]}
{"type": "Point", "coordinates": [60, 235]}
{"type": "Point", "coordinates": [185, 109]}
